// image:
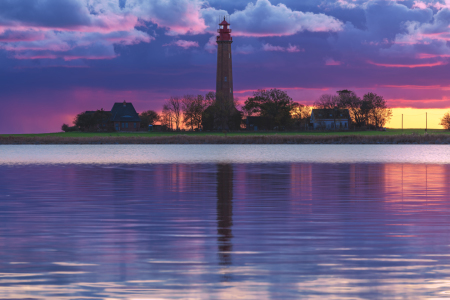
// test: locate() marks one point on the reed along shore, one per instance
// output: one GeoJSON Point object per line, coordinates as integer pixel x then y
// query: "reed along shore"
{"type": "Point", "coordinates": [227, 139]}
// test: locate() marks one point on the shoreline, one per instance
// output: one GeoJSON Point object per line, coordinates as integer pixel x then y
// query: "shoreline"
{"type": "Point", "coordinates": [214, 139]}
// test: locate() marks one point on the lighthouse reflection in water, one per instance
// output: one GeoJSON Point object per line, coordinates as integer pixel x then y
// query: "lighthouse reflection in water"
{"type": "Point", "coordinates": [221, 231]}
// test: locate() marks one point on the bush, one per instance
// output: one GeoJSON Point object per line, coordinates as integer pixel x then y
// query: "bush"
{"type": "Point", "coordinates": [67, 128]}
{"type": "Point", "coordinates": [445, 121]}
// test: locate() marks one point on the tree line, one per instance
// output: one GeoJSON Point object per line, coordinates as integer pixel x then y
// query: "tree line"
{"type": "Point", "coordinates": [370, 111]}
{"type": "Point", "coordinates": [270, 109]}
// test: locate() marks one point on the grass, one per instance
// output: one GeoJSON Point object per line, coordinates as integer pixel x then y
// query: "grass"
{"type": "Point", "coordinates": [392, 136]}
{"type": "Point", "coordinates": [388, 132]}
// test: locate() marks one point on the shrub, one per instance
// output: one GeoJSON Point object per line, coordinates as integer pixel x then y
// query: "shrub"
{"type": "Point", "coordinates": [67, 128]}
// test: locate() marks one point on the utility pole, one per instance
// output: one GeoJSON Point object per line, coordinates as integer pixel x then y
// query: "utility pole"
{"type": "Point", "coordinates": [402, 123]}
{"type": "Point", "coordinates": [426, 122]}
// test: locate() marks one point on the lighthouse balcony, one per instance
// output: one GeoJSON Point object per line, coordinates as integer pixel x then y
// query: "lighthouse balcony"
{"type": "Point", "coordinates": [224, 30]}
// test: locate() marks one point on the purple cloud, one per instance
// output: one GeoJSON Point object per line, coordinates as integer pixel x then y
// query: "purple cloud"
{"type": "Point", "coordinates": [290, 48]}
{"type": "Point", "coordinates": [183, 44]}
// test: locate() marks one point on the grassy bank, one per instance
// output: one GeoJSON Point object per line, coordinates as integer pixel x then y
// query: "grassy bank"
{"type": "Point", "coordinates": [392, 136]}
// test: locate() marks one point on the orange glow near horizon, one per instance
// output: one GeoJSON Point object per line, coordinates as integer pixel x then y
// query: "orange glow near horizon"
{"type": "Point", "coordinates": [414, 118]}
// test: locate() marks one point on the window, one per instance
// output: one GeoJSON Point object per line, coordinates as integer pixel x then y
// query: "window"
{"type": "Point", "coordinates": [126, 125]}
{"type": "Point", "coordinates": [225, 79]}
{"type": "Point", "coordinates": [230, 90]}
{"type": "Point", "coordinates": [134, 125]}
{"type": "Point", "coordinates": [123, 125]}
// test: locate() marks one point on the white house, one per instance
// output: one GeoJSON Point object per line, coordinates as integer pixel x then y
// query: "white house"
{"type": "Point", "coordinates": [330, 119]}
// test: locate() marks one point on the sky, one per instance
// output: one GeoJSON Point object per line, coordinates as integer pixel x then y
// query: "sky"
{"type": "Point", "coordinates": [59, 58]}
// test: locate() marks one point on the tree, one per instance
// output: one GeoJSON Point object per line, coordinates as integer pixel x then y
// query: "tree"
{"type": "Point", "coordinates": [221, 114]}
{"type": "Point", "coordinates": [148, 117]}
{"type": "Point", "coordinates": [301, 114]}
{"type": "Point", "coordinates": [357, 109]}
{"type": "Point", "coordinates": [371, 110]}
{"type": "Point", "coordinates": [93, 120]}
{"type": "Point", "coordinates": [379, 113]}
{"type": "Point", "coordinates": [102, 118]}
{"type": "Point", "coordinates": [193, 107]}
{"type": "Point", "coordinates": [174, 106]}
{"type": "Point", "coordinates": [327, 101]}
{"type": "Point", "coordinates": [274, 105]}
{"type": "Point", "coordinates": [84, 121]}
{"type": "Point", "coordinates": [166, 117]}
{"type": "Point", "coordinates": [445, 121]}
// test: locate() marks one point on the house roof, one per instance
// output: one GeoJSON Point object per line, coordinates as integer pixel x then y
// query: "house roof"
{"type": "Point", "coordinates": [322, 114]}
{"type": "Point", "coordinates": [124, 112]}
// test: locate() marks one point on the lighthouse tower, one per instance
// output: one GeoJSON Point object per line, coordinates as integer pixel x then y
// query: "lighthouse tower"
{"type": "Point", "coordinates": [224, 79]}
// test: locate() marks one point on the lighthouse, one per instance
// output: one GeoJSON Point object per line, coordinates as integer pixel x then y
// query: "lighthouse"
{"type": "Point", "coordinates": [224, 79]}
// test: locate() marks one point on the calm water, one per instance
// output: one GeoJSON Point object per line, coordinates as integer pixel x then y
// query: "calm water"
{"type": "Point", "coordinates": [101, 222]}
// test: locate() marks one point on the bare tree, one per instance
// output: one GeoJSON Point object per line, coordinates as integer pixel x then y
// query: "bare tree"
{"type": "Point", "coordinates": [166, 117]}
{"type": "Point", "coordinates": [193, 108]}
{"type": "Point", "coordinates": [327, 101]}
{"type": "Point", "coordinates": [173, 105]}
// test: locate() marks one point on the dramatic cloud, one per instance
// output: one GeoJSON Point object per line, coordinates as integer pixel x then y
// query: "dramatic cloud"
{"type": "Point", "coordinates": [69, 29]}
{"type": "Point", "coordinates": [428, 40]}
{"type": "Point", "coordinates": [73, 29]}
{"type": "Point", "coordinates": [263, 19]}
{"type": "Point", "coordinates": [180, 17]}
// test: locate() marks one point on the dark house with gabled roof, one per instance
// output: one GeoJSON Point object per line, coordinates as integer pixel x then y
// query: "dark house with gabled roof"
{"type": "Point", "coordinates": [125, 117]}
{"type": "Point", "coordinates": [330, 118]}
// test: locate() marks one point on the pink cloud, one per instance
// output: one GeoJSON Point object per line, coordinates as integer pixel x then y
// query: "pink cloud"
{"type": "Point", "coordinates": [283, 89]}
{"type": "Point", "coordinates": [9, 36]}
{"type": "Point", "coordinates": [440, 63]}
{"type": "Point", "coordinates": [420, 5]}
{"type": "Point", "coordinates": [294, 48]}
{"type": "Point", "coordinates": [416, 87]}
{"type": "Point", "coordinates": [332, 62]}
{"type": "Point", "coordinates": [428, 55]}
{"type": "Point", "coordinates": [269, 47]}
